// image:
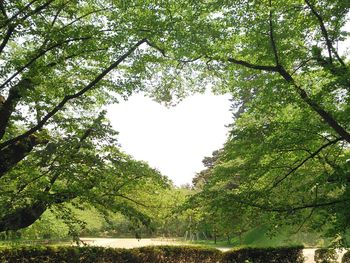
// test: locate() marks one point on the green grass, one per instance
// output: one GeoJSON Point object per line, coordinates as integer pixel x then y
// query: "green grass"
{"type": "Point", "coordinates": [259, 237]}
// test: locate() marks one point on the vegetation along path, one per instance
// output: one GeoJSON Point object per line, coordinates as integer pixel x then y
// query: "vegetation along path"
{"type": "Point", "coordinates": [133, 243]}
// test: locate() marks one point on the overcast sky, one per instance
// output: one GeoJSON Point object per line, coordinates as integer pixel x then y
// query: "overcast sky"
{"type": "Point", "coordinates": [176, 139]}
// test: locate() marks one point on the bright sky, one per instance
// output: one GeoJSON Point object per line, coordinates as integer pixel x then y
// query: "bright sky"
{"type": "Point", "coordinates": [173, 140]}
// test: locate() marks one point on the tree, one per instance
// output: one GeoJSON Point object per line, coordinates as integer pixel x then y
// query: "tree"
{"type": "Point", "coordinates": [203, 176]}
{"type": "Point", "coordinates": [278, 59]}
{"type": "Point", "coordinates": [61, 61]}
{"type": "Point", "coordinates": [288, 146]}
{"type": "Point", "coordinates": [218, 216]}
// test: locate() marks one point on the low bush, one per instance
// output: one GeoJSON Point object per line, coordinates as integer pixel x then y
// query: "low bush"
{"type": "Point", "coordinates": [158, 254]}
{"type": "Point", "coordinates": [161, 254]}
{"type": "Point", "coordinates": [346, 257]}
{"type": "Point", "coordinates": [66, 255]}
{"type": "Point", "coordinates": [176, 254]}
{"type": "Point", "coordinates": [264, 255]}
{"type": "Point", "coordinates": [326, 255]}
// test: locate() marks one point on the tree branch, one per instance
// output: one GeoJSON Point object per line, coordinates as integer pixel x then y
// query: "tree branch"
{"type": "Point", "coordinates": [25, 216]}
{"type": "Point", "coordinates": [272, 38]}
{"type": "Point", "coordinates": [82, 16]}
{"type": "Point", "coordinates": [76, 149]}
{"type": "Point", "coordinates": [132, 200]}
{"type": "Point", "coordinates": [312, 155]}
{"type": "Point", "coordinates": [286, 209]}
{"type": "Point", "coordinates": [40, 54]}
{"type": "Point", "coordinates": [162, 51]}
{"type": "Point", "coordinates": [14, 153]}
{"type": "Point", "coordinates": [252, 66]}
{"type": "Point", "coordinates": [9, 20]}
{"type": "Point", "coordinates": [6, 38]}
{"type": "Point", "coordinates": [83, 52]}
{"type": "Point", "coordinates": [35, 11]}
{"type": "Point", "coordinates": [68, 98]}
{"type": "Point", "coordinates": [324, 31]}
{"type": "Point", "coordinates": [2, 8]}
{"type": "Point", "coordinates": [7, 108]}
{"type": "Point", "coordinates": [22, 217]}
{"type": "Point", "coordinates": [327, 117]}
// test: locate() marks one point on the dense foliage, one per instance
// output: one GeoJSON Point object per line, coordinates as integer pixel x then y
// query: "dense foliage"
{"type": "Point", "coordinates": [263, 255]}
{"type": "Point", "coordinates": [161, 254]}
{"type": "Point", "coordinates": [346, 257]}
{"type": "Point", "coordinates": [324, 255]}
{"type": "Point", "coordinates": [56, 146]}
{"type": "Point", "coordinates": [165, 254]}
{"type": "Point", "coordinates": [288, 149]}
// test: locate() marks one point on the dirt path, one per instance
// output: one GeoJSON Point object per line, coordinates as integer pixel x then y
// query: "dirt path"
{"type": "Point", "coordinates": [309, 255]}
{"type": "Point", "coordinates": [128, 242]}
{"type": "Point", "coordinates": [132, 243]}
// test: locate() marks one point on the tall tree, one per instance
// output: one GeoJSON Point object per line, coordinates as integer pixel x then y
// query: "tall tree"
{"type": "Point", "coordinates": [60, 62]}
{"type": "Point", "coordinates": [288, 146]}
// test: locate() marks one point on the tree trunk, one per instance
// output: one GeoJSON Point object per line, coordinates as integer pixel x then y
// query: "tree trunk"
{"type": "Point", "coordinates": [14, 153]}
{"type": "Point", "coordinates": [22, 217]}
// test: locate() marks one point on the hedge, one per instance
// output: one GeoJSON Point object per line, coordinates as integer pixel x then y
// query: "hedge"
{"type": "Point", "coordinates": [346, 257]}
{"type": "Point", "coordinates": [326, 255]}
{"type": "Point", "coordinates": [158, 254]}
{"type": "Point", "coordinates": [177, 254]}
{"type": "Point", "coordinates": [66, 255]}
{"type": "Point", "coordinates": [264, 255]}
{"type": "Point", "coordinates": [161, 254]}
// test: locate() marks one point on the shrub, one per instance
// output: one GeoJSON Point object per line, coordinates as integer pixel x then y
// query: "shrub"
{"type": "Point", "coordinates": [346, 257]}
{"type": "Point", "coordinates": [65, 255]}
{"type": "Point", "coordinates": [324, 255]}
{"type": "Point", "coordinates": [161, 254]}
{"type": "Point", "coordinates": [158, 254]}
{"type": "Point", "coordinates": [177, 254]}
{"type": "Point", "coordinates": [264, 255]}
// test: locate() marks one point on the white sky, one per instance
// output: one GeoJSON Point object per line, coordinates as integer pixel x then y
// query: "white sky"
{"type": "Point", "coordinates": [173, 140]}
